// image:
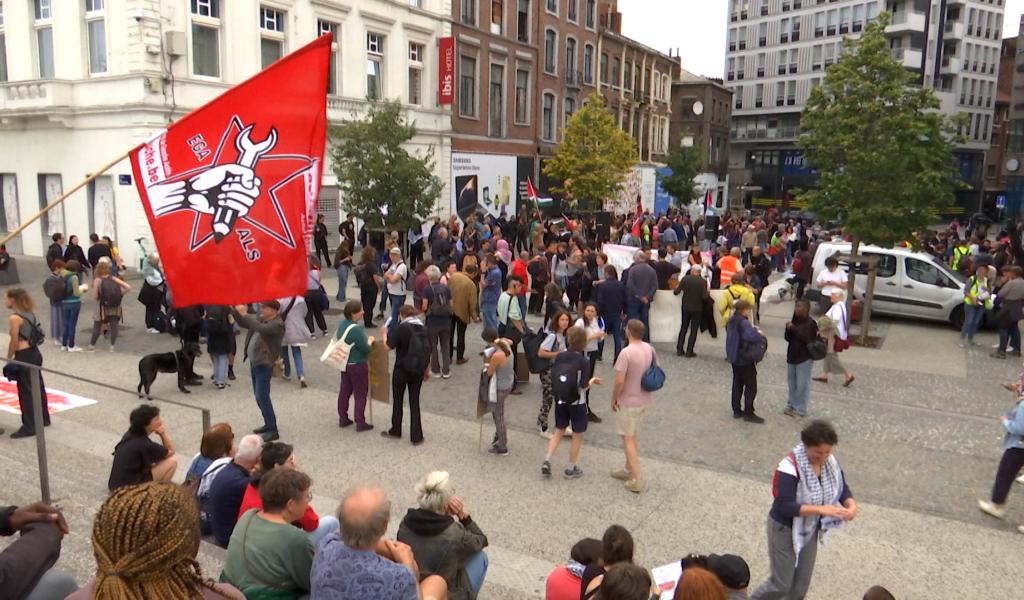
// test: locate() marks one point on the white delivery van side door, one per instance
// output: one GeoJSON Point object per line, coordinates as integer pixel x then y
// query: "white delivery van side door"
{"type": "Point", "coordinates": [887, 284]}
{"type": "Point", "coordinates": [926, 290]}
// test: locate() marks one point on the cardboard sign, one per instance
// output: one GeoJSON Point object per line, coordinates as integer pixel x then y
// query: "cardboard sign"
{"type": "Point", "coordinates": [56, 400]}
{"type": "Point", "coordinates": [380, 375]}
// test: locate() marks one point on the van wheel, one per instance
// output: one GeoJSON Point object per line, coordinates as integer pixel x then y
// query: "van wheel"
{"type": "Point", "coordinates": [956, 318]}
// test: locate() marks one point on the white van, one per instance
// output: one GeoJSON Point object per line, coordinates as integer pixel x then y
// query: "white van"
{"type": "Point", "coordinates": [907, 283]}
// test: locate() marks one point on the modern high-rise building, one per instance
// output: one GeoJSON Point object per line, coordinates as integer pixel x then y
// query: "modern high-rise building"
{"type": "Point", "coordinates": [778, 50]}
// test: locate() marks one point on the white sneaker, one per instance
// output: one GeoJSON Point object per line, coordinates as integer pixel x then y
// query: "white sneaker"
{"type": "Point", "coordinates": [75, 349]}
{"type": "Point", "coordinates": [1020, 479]}
{"type": "Point", "coordinates": [545, 434]}
{"type": "Point", "coordinates": [111, 348]}
{"type": "Point", "coordinates": [63, 348]}
{"type": "Point", "coordinates": [56, 343]}
{"type": "Point", "coordinates": [961, 345]}
{"type": "Point", "coordinates": [992, 509]}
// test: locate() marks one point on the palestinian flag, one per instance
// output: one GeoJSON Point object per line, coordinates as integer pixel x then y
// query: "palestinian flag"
{"type": "Point", "coordinates": [531, 195]}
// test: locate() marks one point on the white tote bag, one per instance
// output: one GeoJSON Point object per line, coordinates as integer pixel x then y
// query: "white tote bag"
{"type": "Point", "coordinates": [336, 354]}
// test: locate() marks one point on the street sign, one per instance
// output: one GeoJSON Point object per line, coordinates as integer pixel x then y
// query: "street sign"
{"type": "Point", "coordinates": [1000, 201]}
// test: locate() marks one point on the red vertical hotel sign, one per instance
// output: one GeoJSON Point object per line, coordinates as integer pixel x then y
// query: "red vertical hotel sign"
{"type": "Point", "coordinates": [446, 71]}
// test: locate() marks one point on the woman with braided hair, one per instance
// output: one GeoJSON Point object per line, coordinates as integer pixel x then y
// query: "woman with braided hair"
{"type": "Point", "coordinates": [145, 539]}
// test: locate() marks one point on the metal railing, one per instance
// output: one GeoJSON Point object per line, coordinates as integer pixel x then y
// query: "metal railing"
{"type": "Point", "coordinates": [40, 429]}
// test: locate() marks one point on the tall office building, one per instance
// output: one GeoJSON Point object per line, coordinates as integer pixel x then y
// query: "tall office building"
{"type": "Point", "coordinates": [778, 50]}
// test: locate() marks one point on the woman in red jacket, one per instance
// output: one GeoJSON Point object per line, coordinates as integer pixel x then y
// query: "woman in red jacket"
{"type": "Point", "coordinates": [278, 455]}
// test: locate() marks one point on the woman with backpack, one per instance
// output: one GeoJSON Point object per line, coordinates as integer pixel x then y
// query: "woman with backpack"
{"type": "Point", "coordinates": [315, 298]}
{"type": "Point", "coordinates": [801, 332]}
{"type": "Point", "coordinates": [368, 279]}
{"type": "Point", "coordinates": [593, 325]}
{"type": "Point", "coordinates": [549, 349]}
{"type": "Point", "coordinates": [295, 314]}
{"type": "Point", "coordinates": [342, 265]}
{"type": "Point", "coordinates": [739, 333]}
{"type": "Point", "coordinates": [71, 305]}
{"type": "Point", "coordinates": [570, 377]}
{"type": "Point", "coordinates": [436, 304]}
{"type": "Point", "coordinates": [26, 336]}
{"type": "Point", "coordinates": [54, 287]}
{"type": "Point", "coordinates": [107, 290]}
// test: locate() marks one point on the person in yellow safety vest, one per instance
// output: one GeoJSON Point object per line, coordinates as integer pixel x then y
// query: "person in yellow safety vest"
{"type": "Point", "coordinates": [959, 252]}
{"type": "Point", "coordinates": [737, 290]}
{"type": "Point", "coordinates": [977, 299]}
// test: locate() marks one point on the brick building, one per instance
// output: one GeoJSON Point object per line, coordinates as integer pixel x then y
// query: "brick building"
{"type": "Point", "coordinates": [701, 115]}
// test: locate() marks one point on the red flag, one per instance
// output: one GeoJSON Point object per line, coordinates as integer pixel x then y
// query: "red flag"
{"type": "Point", "coordinates": [230, 190]}
{"type": "Point", "coordinates": [531, 193]}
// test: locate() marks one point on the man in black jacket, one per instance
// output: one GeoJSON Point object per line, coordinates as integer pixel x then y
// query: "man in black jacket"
{"type": "Point", "coordinates": [25, 564]}
{"type": "Point", "coordinates": [56, 249]}
{"type": "Point", "coordinates": [97, 250]}
{"type": "Point", "coordinates": [694, 290]}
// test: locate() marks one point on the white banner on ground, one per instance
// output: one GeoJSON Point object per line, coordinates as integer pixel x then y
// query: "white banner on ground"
{"type": "Point", "coordinates": [57, 400]}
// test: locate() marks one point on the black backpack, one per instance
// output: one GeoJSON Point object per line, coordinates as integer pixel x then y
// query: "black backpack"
{"type": "Point", "coordinates": [109, 293]}
{"type": "Point", "coordinates": [417, 355]}
{"type": "Point", "coordinates": [55, 288]}
{"type": "Point", "coordinates": [35, 334]}
{"type": "Point", "coordinates": [565, 378]}
{"type": "Point", "coordinates": [439, 306]}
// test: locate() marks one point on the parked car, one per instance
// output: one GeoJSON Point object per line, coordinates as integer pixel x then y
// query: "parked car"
{"type": "Point", "coordinates": [907, 284]}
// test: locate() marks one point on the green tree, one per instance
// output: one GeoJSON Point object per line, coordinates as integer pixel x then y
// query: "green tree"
{"type": "Point", "coordinates": [882, 149]}
{"type": "Point", "coordinates": [374, 171]}
{"type": "Point", "coordinates": [593, 157]}
{"type": "Point", "coordinates": [685, 162]}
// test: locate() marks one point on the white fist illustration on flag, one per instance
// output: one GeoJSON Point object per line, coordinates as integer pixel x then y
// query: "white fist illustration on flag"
{"type": "Point", "coordinates": [230, 186]}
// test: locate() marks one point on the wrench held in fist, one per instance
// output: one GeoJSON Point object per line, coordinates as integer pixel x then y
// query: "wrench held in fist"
{"type": "Point", "coordinates": [230, 186]}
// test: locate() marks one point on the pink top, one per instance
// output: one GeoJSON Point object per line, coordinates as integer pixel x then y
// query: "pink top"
{"type": "Point", "coordinates": [562, 585]}
{"type": "Point", "coordinates": [633, 360]}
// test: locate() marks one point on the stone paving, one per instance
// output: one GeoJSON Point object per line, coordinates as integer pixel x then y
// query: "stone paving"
{"type": "Point", "coordinates": [919, 441]}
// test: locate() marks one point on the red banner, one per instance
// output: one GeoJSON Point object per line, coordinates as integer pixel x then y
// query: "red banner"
{"type": "Point", "coordinates": [230, 190]}
{"type": "Point", "coordinates": [446, 71]}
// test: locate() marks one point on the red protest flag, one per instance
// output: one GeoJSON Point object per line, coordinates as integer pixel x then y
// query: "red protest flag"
{"type": "Point", "coordinates": [230, 190]}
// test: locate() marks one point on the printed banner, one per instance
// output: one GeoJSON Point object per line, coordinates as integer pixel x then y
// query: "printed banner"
{"type": "Point", "coordinates": [56, 400]}
{"type": "Point", "coordinates": [230, 190]}
{"type": "Point", "coordinates": [484, 182]}
{"type": "Point", "coordinates": [446, 70]}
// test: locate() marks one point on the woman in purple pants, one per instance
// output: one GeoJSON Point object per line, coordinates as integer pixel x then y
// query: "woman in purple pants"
{"type": "Point", "coordinates": [355, 379]}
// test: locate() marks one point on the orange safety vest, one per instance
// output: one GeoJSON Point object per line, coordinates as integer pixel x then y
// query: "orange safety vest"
{"type": "Point", "coordinates": [728, 265]}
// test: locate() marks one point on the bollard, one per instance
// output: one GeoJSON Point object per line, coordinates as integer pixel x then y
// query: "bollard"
{"type": "Point", "coordinates": [37, 409]}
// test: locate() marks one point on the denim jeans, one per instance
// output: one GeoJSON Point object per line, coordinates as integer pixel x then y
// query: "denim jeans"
{"type": "Point", "coordinates": [476, 569]}
{"type": "Point", "coordinates": [638, 310]}
{"type": "Point", "coordinates": [972, 318]}
{"type": "Point", "coordinates": [69, 315]}
{"type": "Point", "coordinates": [56, 322]}
{"type": "Point", "coordinates": [342, 282]}
{"type": "Point", "coordinates": [489, 315]}
{"type": "Point", "coordinates": [261, 389]}
{"type": "Point", "coordinates": [220, 367]}
{"type": "Point", "coordinates": [799, 378]}
{"type": "Point", "coordinates": [328, 525]}
{"type": "Point", "coordinates": [1009, 336]}
{"type": "Point", "coordinates": [297, 355]}
{"type": "Point", "coordinates": [397, 302]}
{"type": "Point", "coordinates": [613, 326]}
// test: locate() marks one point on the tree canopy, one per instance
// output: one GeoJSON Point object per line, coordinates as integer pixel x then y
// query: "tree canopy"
{"type": "Point", "coordinates": [593, 157]}
{"type": "Point", "coordinates": [882, 149]}
{"type": "Point", "coordinates": [382, 183]}
{"type": "Point", "coordinates": [685, 162]}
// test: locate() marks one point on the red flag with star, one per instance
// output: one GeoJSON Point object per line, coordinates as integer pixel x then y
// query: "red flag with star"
{"type": "Point", "coordinates": [230, 190]}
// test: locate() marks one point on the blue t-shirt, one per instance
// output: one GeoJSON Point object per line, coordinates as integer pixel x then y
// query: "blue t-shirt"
{"type": "Point", "coordinates": [341, 573]}
{"type": "Point", "coordinates": [492, 287]}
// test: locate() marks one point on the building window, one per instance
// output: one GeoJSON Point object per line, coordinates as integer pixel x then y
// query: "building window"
{"type": "Point", "coordinates": [497, 16]}
{"type": "Point", "coordinates": [550, 50]}
{"type": "Point", "coordinates": [3, 46]}
{"type": "Point", "coordinates": [616, 74]}
{"type": "Point", "coordinates": [44, 39]}
{"type": "Point", "coordinates": [571, 12]}
{"type": "Point", "coordinates": [570, 60]}
{"type": "Point", "coordinates": [467, 14]}
{"type": "Point", "coordinates": [333, 75]}
{"type": "Point", "coordinates": [96, 33]}
{"type": "Point", "coordinates": [570, 108]}
{"type": "Point", "coordinates": [588, 64]}
{"type": "Point", "coordinates": [523, 21]}
{"type": "Point", "coordinates": [417, 52]}
{"type": "Point", "coordinates": [603, 73]}
{"type": "Point", "coordinates": [206, 38]}
{"type": "Point", "coordinates": [627, 76]}
{"type": "Point", "coordinates": [374, 66]}
{"type": "Point", "coordinates": [271, 35]}
{"type": "Point", "coordinates": [548, 118]}
{"type": "Point", "coordinates": [467, 86]}
{"type": "Point", "coordinates": [496, 102]}
{"type": "Point", "coordinates": [591, 14]}
{"type": "Point", "coordinates": [522, 96]}
{"type": "Point", "coordinates": [551, 6]}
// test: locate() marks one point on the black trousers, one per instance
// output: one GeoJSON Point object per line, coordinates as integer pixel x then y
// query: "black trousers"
{"type": "Point", "coordinates": [320, 247]}
{"type": "Point", "coordinates": [690, 323]}
{"type": "Point", "coordinates": [1009, 466]}
{"type": "Point", "coordinates": [400, 380]}
{"type": "Point", "coordinates": [32, 356]}
{"type": "Point", "coordinates": [313, 311]}
{"type": "Point", "coordinates": [457, 347]}
{"type": "Point", "coordinates": [536, 301]}
{"type": "Point", "coordinates": [744, 384]}
{"type": "Point", "coordinates": [800, 286]}
{"type": "Point", "coordinates": [368, 298]}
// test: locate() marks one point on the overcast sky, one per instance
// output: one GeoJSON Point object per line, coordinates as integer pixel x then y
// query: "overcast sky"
{"type": "Point", "coordinates": [697, 28]}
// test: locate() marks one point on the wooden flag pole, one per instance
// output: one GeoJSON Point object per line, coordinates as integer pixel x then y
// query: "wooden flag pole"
{"type": "Point", "coordinates": [64, 196]}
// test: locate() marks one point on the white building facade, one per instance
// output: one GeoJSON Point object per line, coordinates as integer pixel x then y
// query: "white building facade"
{"type": "Point", "coordinates": [778, 50]}
{"type": "Point", "coordinates": [84, 81]}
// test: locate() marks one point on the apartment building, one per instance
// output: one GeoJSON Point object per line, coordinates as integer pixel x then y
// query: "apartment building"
{"type": "Point", "coordinates": [81, 82]}
{"type": "Point", "coordinates": [701, 117]}
{"type": "Point", "coordinates": [778, 50]}
{"type": "Point", "coordinates": [995, 157]}
{"type": "Point", "coordinates": [1012, 165]}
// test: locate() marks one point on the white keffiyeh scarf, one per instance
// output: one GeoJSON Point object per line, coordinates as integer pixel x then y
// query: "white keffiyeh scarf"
{"type": "Point", "coordinates": [820, 491]}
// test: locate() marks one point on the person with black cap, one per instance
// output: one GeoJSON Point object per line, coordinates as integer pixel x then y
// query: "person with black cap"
{"type": "Point", "coordinates": [733, 572]}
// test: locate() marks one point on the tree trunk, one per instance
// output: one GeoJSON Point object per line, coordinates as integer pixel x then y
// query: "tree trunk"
{"type": "Point", "coordinates": [854, 252]}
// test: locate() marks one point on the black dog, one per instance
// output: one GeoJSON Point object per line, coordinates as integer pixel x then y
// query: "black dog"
{"type": "Point", "coordinates": [179, 361]}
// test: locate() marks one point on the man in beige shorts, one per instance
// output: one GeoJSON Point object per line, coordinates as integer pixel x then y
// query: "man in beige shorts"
{"type": "Point", "coordinates": [630, 401]}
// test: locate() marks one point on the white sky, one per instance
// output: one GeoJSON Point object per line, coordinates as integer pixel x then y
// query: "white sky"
{"type": "Point", "coordinates": [697, 28]}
